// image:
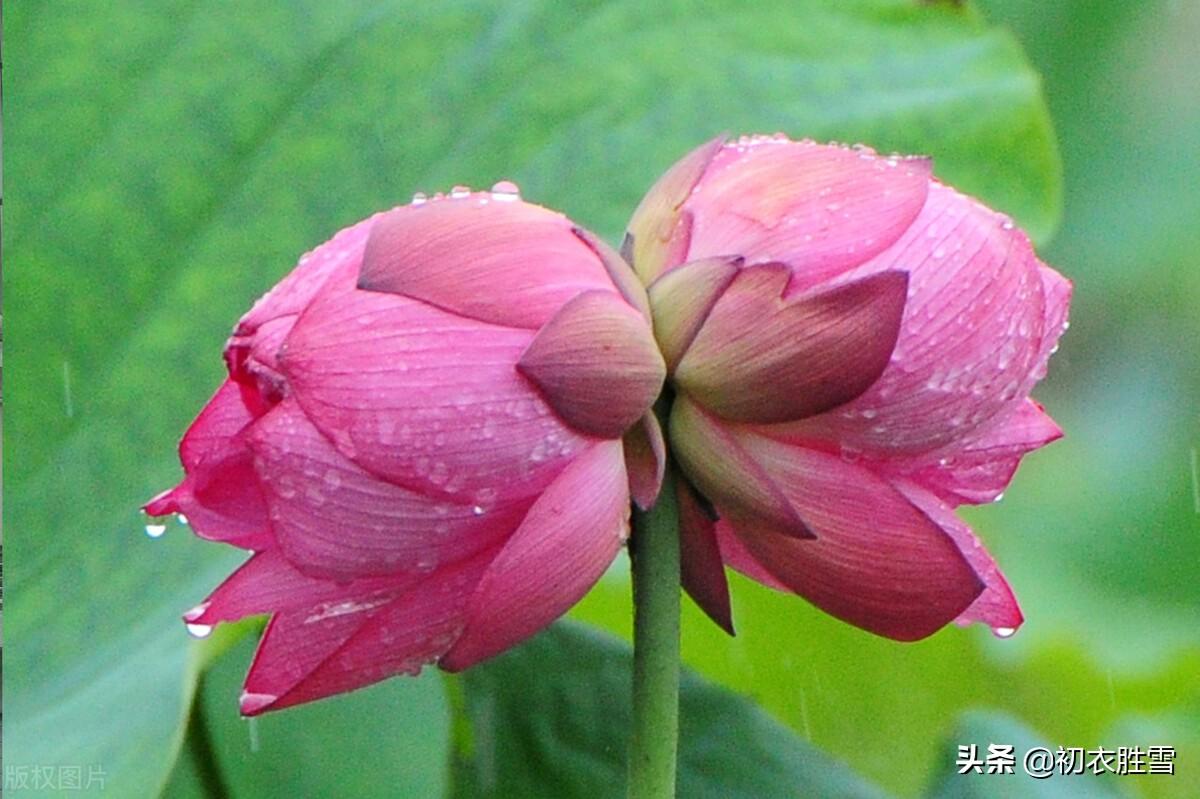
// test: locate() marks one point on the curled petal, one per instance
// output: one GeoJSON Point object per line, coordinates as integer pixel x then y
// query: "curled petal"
{"type": "Point", "coordinates": [645, 460]}
{"type": "Point", "coordinates": [269, 583]}
{"type": "Point", "coordinates": [762, 357]}
{"type": "Point", "coordinates": [877, 562]}
{"type": "Point", "coordinates": [658, 232]}
{"type": "Point", "coordinates": [302, 657]}
{"type": "Point", "coordinates": [702, 571]}
{"type": "Point", "coordinates": [507, 263]}
{"type": "Point", "coordinates": [426, 399]}
{"type": "Point", "coordinates": [567, 540]}
{"type": "Point", "coordinates": [820, 209]}
{"type": "Point", "coordinates": [1057, 291]}
{"type": "Point", "coordinates": [335, 520]}
{"type": "Point", "coordinates": [596, 364]}
{"type": "Point", "coordinates": [683, 298]}
{"type": "Point", "coordinates": [220, 494]}
{"type": "Point", "coordinates": [995, 606]}
{"type": "Point", "coordinates": [724, 472]}
{"type": "Point", "coordinates": [978, 469]}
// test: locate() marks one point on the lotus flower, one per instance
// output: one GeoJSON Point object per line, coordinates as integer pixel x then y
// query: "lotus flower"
{"type": "Point", "coordinates": [852, 345]}
{"type": "Point", "coordinates": [420, 439]}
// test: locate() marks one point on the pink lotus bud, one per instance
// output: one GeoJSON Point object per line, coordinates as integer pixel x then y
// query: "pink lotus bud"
{"type": "Point", "coordinates": [421, 441]}
{"type": "Point", "coordinates": [852, 345]}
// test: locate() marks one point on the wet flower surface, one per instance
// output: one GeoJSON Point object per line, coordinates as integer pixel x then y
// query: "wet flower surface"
{"type": "Point", "coordinates": [853, 345]}
{"type": "Point", "coordinates": [420, 439]}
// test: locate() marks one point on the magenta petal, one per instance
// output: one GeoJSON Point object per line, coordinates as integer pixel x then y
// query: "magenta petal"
{"type": "Point", "coordinates": [968, 345]}
{"type": "Point", "coordinates": [333, 519]}
{"type": "Point", "coordinates": [717, 464]}
{"type": "Point", "coordinates": [568, 539]}
{"type": "Point", "coordinates": [1057, 291]}
{"type": "Point", "coordinates": [820, 209]}
{"type": "Point", "coordinates": [220, 494]}
{"type": "Point", "coordinates": [508, 263]}
{"type": "Point", "coordinates": [268, 583]}
{"type": "Point", "coordinates": [736, 556]}
{"type": "Point", "coordinates": [877, 561]}
{"type": "Point", "coordinates": [645, 460]}
{"type": "Point", "coordinates": [596, 364]}
{"type": "Point", "coordinates": [996, 606]}
{"type": "Point", "coordinates": [978, 469]}
{"type": "Point", "coordinates": [292, 294]}
{"type": "Point", "coordinates": [303, 656]}
{"type": "Point", "coordinates": [702, 570]}
{"type": "Point", "coordinates": [763, 357]}
{"type": "Point", "coordinates": [426, 399]}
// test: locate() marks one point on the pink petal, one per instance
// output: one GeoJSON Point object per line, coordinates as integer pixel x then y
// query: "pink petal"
{"type": "Point", "coordinates": [568, 539]}
{"type": "Point", "coordinates": [292, 294]}
{"type": "Point", "coordinates": [683, 298]}
{"type": "Point", "coordinates": [763, 357]}
{"type": "Point", "coordinates": [645, 460]}
{"type": "Point", "coordinates": [596, 364]}
{"type": "Point", "coordinates": [619, 271]}
{"type": "Point", "coordinates": [978, 469]}
{"type": "Point", "coordinates": [820, 209]}
{"type": "Point", "coordinates": [736, 556]}
{"type": "Point", "coordinates": [702, 570]}
{"type": "Point", "coordinates": [996, 606]}
{"type": "Point", "coordinates": [1057, 291]}
{"type": "Point", "coordinates": [426, 399]}
{"type": "Point", "coordinates": [504, 262]}
{"type": "Point", "coordinates": [877, 561]}
{"type": "Point", "coordinates": [268, 583]}
{"type": "Point", "coordinates": [969, 341]}
{"type": "Point", "coordinates": [335, 520]}
{"type": "Point", "coordinates": [220, 494]}
{"type": "Point", "coordinates": [302, 657]}
{"type": "Point", "coordinates": [659, 231]}
{"type": "Point", "coordinates": [724, 472]}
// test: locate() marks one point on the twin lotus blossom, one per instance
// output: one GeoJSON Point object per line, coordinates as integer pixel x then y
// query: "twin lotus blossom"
{"type": "Point", "coordinates": [433, 428]}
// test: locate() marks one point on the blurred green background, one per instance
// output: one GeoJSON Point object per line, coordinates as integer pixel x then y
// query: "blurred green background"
{"type": "Point", "coordinates": [166, 162]}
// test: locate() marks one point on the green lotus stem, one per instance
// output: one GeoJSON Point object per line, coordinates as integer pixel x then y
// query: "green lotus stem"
{"type": "Point", "coordinates": [654, 551]}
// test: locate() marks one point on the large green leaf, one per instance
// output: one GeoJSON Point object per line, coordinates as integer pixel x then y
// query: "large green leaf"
{"type": "Point", "coordinates": [551, 719]}
{"type": "Point", "coordinates": [167, 161]}
{"type": "Point", "coordinates": [387, 740]}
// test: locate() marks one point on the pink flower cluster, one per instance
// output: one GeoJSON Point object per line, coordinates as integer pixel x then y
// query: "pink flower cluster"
{"type": "Point", "coordinates": [432, 428]}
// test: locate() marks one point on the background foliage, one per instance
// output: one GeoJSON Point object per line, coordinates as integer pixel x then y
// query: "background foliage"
{"type": "Point", "coordinates": [167, 162]}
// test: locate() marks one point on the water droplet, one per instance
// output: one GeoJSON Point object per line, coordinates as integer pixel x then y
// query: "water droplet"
{"type": "Point", "coordinates": [427, 562]}
{"type": "Point", "coordinates": [199, 630]}
{"type": "Point", "coordinates": [999, 497]}
{"type": "Point", "coordinates": [419, 198]}
{"type": "Point", "coordinates": [333, 479]}
{"type": "Point", "coordinates": [155, 530]}
{"type": "Point", "coordinates": [1004, 632]}
{"type": "Point", "coordinates": [869, 413]}
{"type": "Point", "coordinates": [181, 519]}
{"type": "Point", "coordinates": [478, 510]}
{"type": "Point", "coordinates": [939, 253]}
{"type": "Point", "coordinates": [458, 192]}
{"type": "Point", "coordinates": [506, 191]}
{"type": "Point", "coordinates": [850, 454]}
